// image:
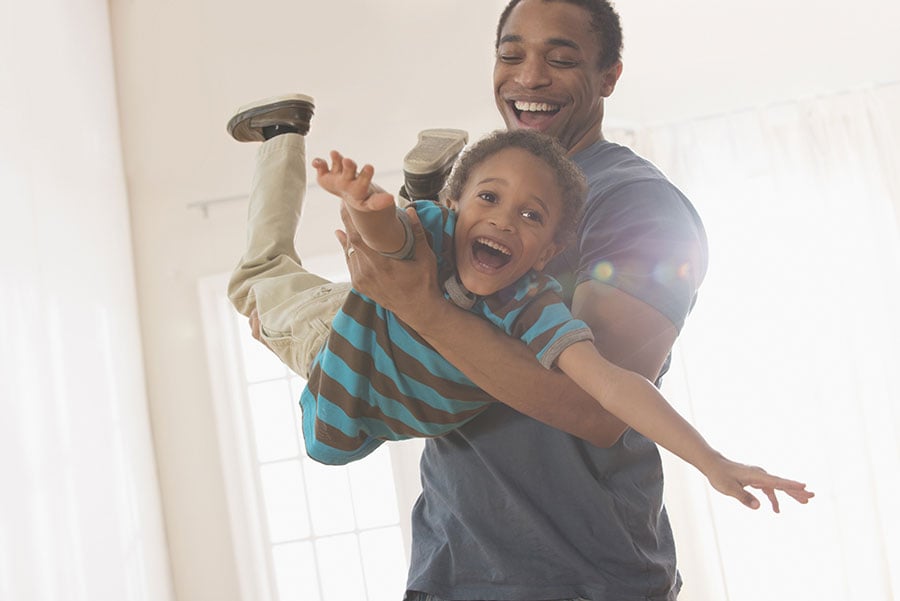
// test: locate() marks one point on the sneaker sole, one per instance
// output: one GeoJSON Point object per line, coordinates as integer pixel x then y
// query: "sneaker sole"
{"type": "Point", "coordinates": [435, 152]}
{"type": "Point", "coordinates": [288, 109]}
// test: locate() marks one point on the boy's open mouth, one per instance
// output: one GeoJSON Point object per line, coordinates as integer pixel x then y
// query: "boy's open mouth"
{"type": "Point", "coordinates": [490, 253]}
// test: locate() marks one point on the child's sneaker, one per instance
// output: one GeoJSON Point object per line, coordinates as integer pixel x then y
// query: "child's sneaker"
{"type": "Point", "coordinates": [427, 165]}
{"type": "Point", "coordinates": [260, 120]}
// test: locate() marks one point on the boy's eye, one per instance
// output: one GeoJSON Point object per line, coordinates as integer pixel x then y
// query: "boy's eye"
{"type": "Point", "coordinates": [487, 196]}
{"type": "Point", "coordinates": [533, 216]}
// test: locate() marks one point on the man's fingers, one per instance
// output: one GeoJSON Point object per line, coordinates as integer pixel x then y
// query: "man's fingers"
{"type": "Point", "coordinates": [341, 235]}
{"type": "Point", "coordinates": [353, 237]}
{"type": "Point", "coordinates": [416, 226]}
{"type": "Point", "coordinates": [254, 324]}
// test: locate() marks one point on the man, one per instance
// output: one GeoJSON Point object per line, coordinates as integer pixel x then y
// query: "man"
{"type": "Point", "coordinates": [512, 509]}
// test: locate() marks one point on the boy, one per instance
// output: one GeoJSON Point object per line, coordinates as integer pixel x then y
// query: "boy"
{"type": "Point", "coordinates": [516, 199]}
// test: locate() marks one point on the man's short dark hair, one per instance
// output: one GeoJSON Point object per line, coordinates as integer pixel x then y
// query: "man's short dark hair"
{"type": "Point", "coordinates": [569, 178]}
{"type": "Point", "coordinates": [604, 22]}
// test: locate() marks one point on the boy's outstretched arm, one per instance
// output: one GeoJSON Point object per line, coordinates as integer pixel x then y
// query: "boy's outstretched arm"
{"type": "Point", "coordinates": [372, 209]}
{"type": "Point", "coordinates": [638, 403]}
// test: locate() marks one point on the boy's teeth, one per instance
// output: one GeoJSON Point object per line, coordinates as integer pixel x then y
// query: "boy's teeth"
{"type": "Point", "coordinates": [534, 107]}
{"type": "Point", "coordinates": [495, 246]}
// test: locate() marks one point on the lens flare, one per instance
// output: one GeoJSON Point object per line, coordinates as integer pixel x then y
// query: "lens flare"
{"type": "Point", "coordinates": [603, 271]}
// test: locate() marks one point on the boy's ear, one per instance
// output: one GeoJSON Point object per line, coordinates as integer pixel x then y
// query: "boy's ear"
{"type": "Point", "coordinates": [451, 204]}
{"type": "Point", "coordinates": [549, 252]}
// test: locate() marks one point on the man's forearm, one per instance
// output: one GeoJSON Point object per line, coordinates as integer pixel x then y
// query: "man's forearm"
{"type": "Point", "coordinates": [507, 370]}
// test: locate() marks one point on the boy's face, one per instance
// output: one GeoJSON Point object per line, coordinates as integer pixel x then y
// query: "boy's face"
{"type": "Point", "coordinates": [508, 216]}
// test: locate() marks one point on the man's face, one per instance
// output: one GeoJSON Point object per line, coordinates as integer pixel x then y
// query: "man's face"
{"type": "Point", "coordinates": [508, 215]}
{"type": "Point", "coordinates": [546, 76]}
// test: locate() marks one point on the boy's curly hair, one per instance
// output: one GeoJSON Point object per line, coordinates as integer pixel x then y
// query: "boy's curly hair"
{"type": "Point", "coordinates": [568, 176]}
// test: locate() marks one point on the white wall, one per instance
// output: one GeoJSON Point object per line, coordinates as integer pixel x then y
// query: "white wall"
{"type": "Point", "coordinates": [80, 517]}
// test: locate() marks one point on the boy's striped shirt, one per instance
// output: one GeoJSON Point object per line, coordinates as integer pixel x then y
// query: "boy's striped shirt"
{"type": "Point", "coordinates": [376, 379]}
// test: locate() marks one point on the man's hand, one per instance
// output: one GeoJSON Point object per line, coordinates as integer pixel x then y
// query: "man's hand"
{"type": "Point", "coordinates": [255, 328]}
{"type": "Point", "coordinates": [408, 288]}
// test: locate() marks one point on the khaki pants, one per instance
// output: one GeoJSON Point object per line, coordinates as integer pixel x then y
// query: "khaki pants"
{"type": "Point", "coordinates": [295, 307]}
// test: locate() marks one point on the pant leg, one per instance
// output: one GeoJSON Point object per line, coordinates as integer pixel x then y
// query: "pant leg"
{"type": "Point", "coordinates": [295, 307]}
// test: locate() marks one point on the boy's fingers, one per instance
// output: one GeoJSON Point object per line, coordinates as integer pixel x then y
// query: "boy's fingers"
{"type": "Point", "coordinates": [368, 171]}
{"type": "Point", "coordinates": [336, 160]}
{"type": "Point", "coordinates": [773, 499]}
{"type": "Point", "coordinates": [801, 496]}
{"type": "Point", "coordinates": [349, 166]}
{"type": "Point", "coordinates": [748, 499]}
{"type": "Point", "coordinates": [320, 165]}
{"type": "Point", "coordinates": [365, 175]}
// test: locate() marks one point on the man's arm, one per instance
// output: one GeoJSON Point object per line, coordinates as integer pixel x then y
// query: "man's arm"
{"type": "Point", "coordinates": [627, 331]}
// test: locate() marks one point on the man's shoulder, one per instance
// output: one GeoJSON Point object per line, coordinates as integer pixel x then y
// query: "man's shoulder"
{"type": "Point", "coordinates": [609, 167]}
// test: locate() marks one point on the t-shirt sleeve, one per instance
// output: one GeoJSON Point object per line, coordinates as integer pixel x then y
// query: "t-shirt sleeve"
{"type": "Point", "coordinates": [646, 240]}
{"type": "Point", "coordinates": [546, 325]}
{"type": "Point", "coordinates": [438, 223]}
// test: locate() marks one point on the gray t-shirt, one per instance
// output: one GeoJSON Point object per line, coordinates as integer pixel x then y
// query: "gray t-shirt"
{"type": "Point", "coordinates": [515, 510]}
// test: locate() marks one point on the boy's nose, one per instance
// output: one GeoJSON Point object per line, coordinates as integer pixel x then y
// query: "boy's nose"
{"type": "Point", "coordinates": [502, 220]}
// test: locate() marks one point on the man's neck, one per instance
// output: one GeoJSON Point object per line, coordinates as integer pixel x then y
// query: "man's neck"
{"type": "Point", "coordinates": [586, 142]}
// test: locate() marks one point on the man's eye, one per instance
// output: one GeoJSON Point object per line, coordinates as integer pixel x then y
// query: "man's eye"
{"type": "Point", "coordinates": [509, 58]}
{"type": "Point", "coordinates": [562, 63]}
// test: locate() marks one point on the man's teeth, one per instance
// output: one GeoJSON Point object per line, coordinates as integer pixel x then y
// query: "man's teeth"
{"type": "Point", "coordinates": [491, 244]}
{"type": "Point", "coordinates": [535, 107]}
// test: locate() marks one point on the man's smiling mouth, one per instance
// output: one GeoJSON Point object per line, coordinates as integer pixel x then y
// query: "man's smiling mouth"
{"type": "Point", "coordinates": [491, 253]}
{"type": "Point", "coordinates": [535, 107]}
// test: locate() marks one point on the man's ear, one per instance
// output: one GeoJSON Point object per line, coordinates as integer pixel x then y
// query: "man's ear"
{"type": "Point", "coordinates": [610, 78]}
{"type": "Point", "coordinates": [551, 251]}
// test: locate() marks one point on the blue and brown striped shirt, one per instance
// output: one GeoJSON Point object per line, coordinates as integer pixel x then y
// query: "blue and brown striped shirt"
{"type": "Point", "coordinates": [376, 379]}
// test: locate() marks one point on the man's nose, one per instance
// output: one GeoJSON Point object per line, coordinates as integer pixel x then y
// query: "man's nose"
{"type": "Point", "coordinates": [532, 73]}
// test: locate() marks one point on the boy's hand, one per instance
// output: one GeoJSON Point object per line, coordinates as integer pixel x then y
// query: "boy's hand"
{"type": "Point", "coordinates": [731, 478]}
{"type": "Point", "coordinates": [354, 187]}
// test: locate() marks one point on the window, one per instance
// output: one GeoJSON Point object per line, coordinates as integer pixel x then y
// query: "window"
{"type": "Point", "coordinates": [303, 531]}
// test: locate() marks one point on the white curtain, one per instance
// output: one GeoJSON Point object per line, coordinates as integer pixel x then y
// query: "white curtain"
{"type": "Point", "coordinates": [790, 358]}
{"type": "Point", "coordinates": [80, 516]}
